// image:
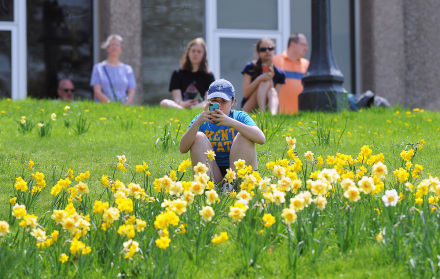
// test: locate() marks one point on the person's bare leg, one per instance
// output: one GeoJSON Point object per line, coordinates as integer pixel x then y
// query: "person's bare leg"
{"type": "Point", "coordinates": [262, 94]}
{"type": "Point", "coordinates": [243, 149]}
{"type": "Point", "coordinates": [273, 101]}
{"type": "Point", "coordinates": [251, 103]}
{"type": "Point", "coordinates": [170, 104]}
{"type": "Point", "coordinates": [200, 145]}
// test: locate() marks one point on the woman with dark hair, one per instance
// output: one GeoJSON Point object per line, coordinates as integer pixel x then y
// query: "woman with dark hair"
{"type": "Point", "coordinates": [262, 81]}
{"type": "Point", "coordinates": [112, 80]}
{"type": "Point", "coordinates": [190, 82]}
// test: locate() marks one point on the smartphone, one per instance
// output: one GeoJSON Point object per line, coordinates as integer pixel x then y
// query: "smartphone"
{"type": "Point", "coordinates": [212, 107]}
{"type": "Point", "coordinates": [265, 68]}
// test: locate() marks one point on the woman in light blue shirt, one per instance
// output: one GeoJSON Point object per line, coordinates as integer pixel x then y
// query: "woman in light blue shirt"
{"type": "Point", "coordinates": [112, 80]}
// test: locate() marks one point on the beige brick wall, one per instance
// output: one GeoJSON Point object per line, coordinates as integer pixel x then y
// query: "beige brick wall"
{"type": "Point", "coordinates": [125, 19]}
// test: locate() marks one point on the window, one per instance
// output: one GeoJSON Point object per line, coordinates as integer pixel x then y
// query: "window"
{"type": "Point", "coordinates": [12, 44]}
{"type": "Point", "coordinates": [234, 27]}
{"type": "Point", "coordinates": [59, 45]}
{"type": "Point", "coordinates": [5, 61]}
{"type": "Point", "coordinates": [232, 30]}
{"type": "Point", "coordinates": [6, 10]}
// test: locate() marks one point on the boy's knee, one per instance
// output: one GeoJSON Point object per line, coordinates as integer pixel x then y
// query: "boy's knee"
{"type": "Point", "coordinates": [242, 141]}
{"type": "Point", "coordinates": [200, 137]}
{"type": "Point", "coordinates": [200, 141]}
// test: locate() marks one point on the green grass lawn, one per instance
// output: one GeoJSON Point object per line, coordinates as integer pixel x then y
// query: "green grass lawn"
{"type": "Point", "coordinates": [337, 242]}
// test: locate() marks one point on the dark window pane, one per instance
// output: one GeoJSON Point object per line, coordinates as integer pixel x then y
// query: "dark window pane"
{"type": "Point", "coordinates": [5, 62]}
{"type": "Point", "coordinates": [6, 10]}
{"type": "Point", "coordinates": [60, 45]}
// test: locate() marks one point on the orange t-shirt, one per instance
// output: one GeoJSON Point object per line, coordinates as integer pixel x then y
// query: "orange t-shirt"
{"type": "Point", "coordinates": [293, 87]}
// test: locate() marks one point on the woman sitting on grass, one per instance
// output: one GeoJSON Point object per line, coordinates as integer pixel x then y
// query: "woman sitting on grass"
{"type": "Point", "coordinates": [262, 81]}
{"type": "Point", "coordinates": [232, 138]}
{"type": "Point", "coordinates": [191, 80]}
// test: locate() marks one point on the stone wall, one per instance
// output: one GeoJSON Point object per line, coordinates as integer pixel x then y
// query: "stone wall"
{"type": "Point", "coordinates": [422, 53]}
{"type": "Point", "coordinates": [125, 19]}
{"type": "Point", "coordinates": [382, 49]}
{"type": "Point", "coordinates": [400, 44]}
{"type": "Point", "coordinates": [167, 27]}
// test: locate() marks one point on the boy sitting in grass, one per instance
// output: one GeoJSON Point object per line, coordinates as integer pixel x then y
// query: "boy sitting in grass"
{"type": "Point", "coordinates": [229, 133]}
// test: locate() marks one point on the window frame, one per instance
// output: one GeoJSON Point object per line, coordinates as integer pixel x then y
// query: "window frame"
{"type": "Point", "coordinates": [17, 27]}
{"type": "Point", "coordinates": [214, 34]}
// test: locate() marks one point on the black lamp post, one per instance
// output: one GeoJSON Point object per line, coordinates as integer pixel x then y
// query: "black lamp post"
{"type": "Point", "coordinates": [323, 80]}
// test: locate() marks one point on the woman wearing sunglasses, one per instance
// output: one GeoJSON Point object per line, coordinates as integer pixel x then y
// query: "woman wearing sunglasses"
{"type": "Point", "coordinates": [262, 81]}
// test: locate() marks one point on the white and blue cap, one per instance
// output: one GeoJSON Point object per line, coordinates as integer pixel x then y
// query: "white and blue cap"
{"type": "Point", "coordinates": [221, 88]}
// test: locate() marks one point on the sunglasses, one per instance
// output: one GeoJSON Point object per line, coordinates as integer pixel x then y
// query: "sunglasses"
{"type": "Point", "coordinates": [69, 90]}
{"type": "Point", "coordinates": [264, 49]}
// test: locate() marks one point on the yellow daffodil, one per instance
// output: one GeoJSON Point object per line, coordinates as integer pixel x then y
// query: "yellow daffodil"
{"type": "Point", "coordinates": [4, 228]}
{"type": "Point", "coordinates": [289, 216]}
{"type": "Point", "coordinates": [352, 194]}
{"type": "Point", "coordinates": [200, 168]}
{"type": "Point", "coordinates": [63, 258]}
{"type": "Point", "coordinates": [130, 248]}
{"type": "Point", "coordinates": [221, 238]}
{"type": "Point", "coordinates": [321, 202]}
{"type": "Point", "coordinates": [309, 156]}
{"type": "Point", "coordinates": [13, 200]}
{"type": "Point", "coordinates": [163, 242]}
{"type": "Point", "coordinates": [366, 185]}
{"type": "Point", "coordinates": [207, 213]}
{"type": "Point", "coordinates": [210, 155]}
{"type": "Point", "coordinates": [268, 220]}
{"type": "Point", "coordinates": [236, 213]}
{"type": "Point", "coordinates": [184, 165]}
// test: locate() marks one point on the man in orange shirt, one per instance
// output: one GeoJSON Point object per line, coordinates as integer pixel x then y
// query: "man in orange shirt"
{"type": "Point", "coordinates": [293, 63]}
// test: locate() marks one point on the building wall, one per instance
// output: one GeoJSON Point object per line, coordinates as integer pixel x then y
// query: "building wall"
{"type": "Point", "coordinates": [422, 53]}
{"type": "Point", "coordinates": [125, 19]}
{"type": "Point", "coordinates": [399, 48]}
{"type": "Point", "coordinates": [167, 27]}
{"type": "Point", "coordinates": [383, 49]}
{"type": "Point", "coordinates": [399, 45]}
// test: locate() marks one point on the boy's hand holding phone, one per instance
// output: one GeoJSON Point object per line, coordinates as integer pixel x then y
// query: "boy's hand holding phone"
{"type": "Point", "coordinates": [213, 107]}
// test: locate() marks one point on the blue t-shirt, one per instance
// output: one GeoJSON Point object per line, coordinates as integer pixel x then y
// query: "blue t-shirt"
{"type": "Point", "coordinates": [221, 137]}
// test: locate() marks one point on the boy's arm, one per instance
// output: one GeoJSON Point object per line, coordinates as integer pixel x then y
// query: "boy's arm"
{"type": "Point", "coordinates": [188, 138]}
{"type": "Point", "coordinates": [252, 133]}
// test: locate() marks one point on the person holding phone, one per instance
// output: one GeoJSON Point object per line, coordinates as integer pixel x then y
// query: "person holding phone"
{"type": "Point", "coordinates": [190, 82]}
{"type": "Point", "coordinates": [229, 133]}
{"type": "Point", "coordinates": [262, 81]}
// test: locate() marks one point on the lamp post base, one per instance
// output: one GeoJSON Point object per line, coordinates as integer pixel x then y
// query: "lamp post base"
{"type": "Point", "coordinates": [331, 101]}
